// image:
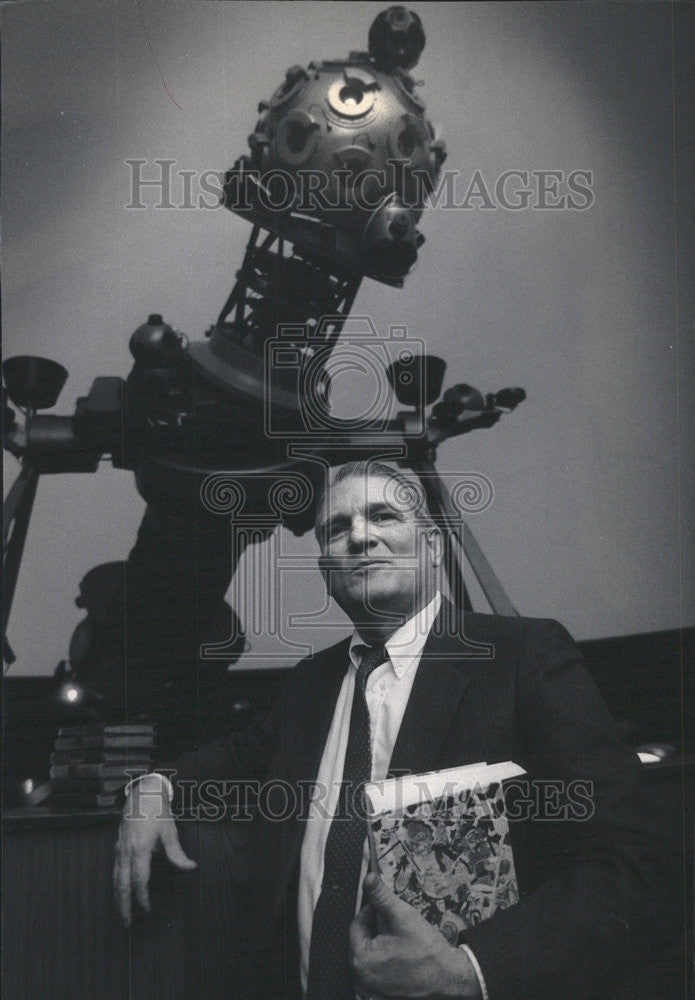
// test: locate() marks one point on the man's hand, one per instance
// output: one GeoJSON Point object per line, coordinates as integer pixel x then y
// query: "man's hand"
{"type": "Point", "coordinates": [146, 821]}
{"type": "Point", "coordinates": [396, 953]}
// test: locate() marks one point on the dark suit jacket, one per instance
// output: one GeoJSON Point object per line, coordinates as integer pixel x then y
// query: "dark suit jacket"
{"type": "Point", "coordinates": [595, 884]}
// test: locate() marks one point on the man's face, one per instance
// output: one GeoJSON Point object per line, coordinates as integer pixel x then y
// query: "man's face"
{"type": "Point", "coordinates": [378, 555]}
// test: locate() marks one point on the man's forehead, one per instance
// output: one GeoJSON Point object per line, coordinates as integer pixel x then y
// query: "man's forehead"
{"type": "Point", "coordinates": [365, 490]}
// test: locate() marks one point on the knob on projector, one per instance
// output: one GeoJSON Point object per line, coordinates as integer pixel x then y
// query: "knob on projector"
{"type": "Point", "coordinates": [396, 38]}
{"type": "Point", "coordinates": [155, 342]}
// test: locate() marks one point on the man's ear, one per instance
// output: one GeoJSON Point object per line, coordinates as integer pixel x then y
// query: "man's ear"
{"type": "Point", "coordinates": [435, 543]}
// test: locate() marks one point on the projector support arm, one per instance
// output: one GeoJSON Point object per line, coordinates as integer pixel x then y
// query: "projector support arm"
{"type": "Point", "coordinates": [459, 542]}
{"type": "Point", "coordinates": [16, 516]}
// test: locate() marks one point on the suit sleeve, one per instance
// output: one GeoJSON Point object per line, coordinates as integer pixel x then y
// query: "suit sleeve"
{"type": "Point", "coordinates": [226, 771]}
{"type": "Point", "coordinates": [219, 770]}
{"type": "Point", "coordinates": [583, 927]}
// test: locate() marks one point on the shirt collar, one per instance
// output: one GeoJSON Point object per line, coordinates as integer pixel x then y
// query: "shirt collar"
{"type": "Point", "coordinates": [406, 644]}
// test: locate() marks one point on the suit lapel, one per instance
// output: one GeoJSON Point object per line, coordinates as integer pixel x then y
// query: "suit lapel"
{"type": "Point", "coordinates": [441, 680]}
{"type": "Point", "coordinates": [330, 672]}
{"type": "Point", "coordinates": [302, 755]}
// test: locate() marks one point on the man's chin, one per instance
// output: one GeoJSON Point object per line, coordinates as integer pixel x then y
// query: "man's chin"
{"type": "Point", "coordinates": [373, 599]}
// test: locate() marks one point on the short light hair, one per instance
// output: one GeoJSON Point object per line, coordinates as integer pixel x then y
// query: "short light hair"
{"type": "Point", "coordinates": [407, 488]}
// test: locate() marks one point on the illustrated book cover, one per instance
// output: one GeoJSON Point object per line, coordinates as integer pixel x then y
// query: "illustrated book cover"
{"type": "Point", "coordinates": [441, 842]}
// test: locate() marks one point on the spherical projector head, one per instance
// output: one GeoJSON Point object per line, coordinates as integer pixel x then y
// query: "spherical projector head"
{"type": "Point", "coordinates": [342, 156]}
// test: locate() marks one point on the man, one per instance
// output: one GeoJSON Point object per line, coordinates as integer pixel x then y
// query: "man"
{"type": "Point", "coordinates": [418, 687]}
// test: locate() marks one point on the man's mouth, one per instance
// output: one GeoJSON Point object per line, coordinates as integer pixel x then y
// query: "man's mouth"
{"type": "Point", "coordinates": [370, 564]}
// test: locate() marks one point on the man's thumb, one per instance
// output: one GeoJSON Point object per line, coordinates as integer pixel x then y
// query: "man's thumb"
{"type": "Point", "coordinates": [173, 849]}
{"type": "Point", "coordinates": [378, 894]}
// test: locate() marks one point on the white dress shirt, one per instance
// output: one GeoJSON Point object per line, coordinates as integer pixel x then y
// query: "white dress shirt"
{"type": "Point", "coordinates": [387, 692]}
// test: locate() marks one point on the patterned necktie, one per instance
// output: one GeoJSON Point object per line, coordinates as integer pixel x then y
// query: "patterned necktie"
{"type": "Point", "coordinates": [330, 975]}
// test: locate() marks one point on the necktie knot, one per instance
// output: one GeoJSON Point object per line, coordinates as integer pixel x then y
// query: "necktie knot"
{"type": "Point", "coordinates": [372, 657]}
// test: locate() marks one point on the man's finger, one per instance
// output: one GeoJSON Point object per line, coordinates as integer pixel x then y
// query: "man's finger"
{"type": "Point", "coordinates": [141, 867]}
{"type": "Point", "coordinates": [362, 929]}
{"type": "Point", "coordinates": [121, 880]}
{"type": "Point", "coordinates": [173, 849]}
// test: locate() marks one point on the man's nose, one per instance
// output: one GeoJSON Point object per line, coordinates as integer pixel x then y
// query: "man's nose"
{"type": "Point", "coordinates": [360, 536]}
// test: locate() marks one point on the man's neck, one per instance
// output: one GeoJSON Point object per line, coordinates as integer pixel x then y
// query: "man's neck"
{"type": "Point", "coordinates": [380, 629]}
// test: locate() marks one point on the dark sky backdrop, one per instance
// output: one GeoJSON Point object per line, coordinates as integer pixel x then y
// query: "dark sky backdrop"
{"type": "Point", "coordinates": [591, 311]}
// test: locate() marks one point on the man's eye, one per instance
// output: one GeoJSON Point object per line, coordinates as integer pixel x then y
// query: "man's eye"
{"type": "Point", "coordinates": [382, 515]}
